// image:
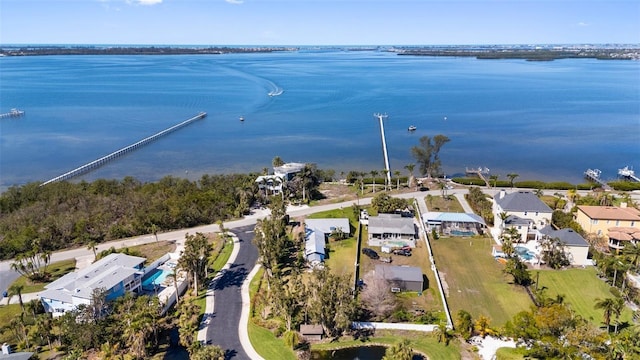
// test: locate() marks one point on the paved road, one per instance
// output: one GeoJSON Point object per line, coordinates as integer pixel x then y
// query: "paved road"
{"type": "Point", "coordinates": [223, 326]}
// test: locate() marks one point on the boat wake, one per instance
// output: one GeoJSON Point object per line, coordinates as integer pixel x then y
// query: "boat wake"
{"type": "Point", "coordinates": [276, 92]}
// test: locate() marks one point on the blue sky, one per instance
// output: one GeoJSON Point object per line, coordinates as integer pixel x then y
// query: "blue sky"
{"type": "Point", "coordinates": [318, 22]}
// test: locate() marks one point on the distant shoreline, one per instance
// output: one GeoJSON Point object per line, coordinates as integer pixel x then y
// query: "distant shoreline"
{"type": "Point", "coordinates": [529, 53]}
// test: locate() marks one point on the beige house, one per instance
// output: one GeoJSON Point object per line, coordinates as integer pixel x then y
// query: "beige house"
{"type": "Point", "coordinates": [619, 237]}
{"type": "Point", "coordinates": [598, 219]}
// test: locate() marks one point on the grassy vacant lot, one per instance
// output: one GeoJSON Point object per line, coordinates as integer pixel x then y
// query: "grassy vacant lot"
{"type": "Point", "coordinates": [426, 344]}
{"type": "Point", "coordinates": [580, 288]}
{"type": "Point", "coordinates": [155, 250]}
{"type": "Point", "coordinates": [438, 203]}
{"type": "Point", "coordinates": [475, 280]}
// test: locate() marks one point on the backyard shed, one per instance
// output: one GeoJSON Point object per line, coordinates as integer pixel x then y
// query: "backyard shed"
{"type": "Point", "coordinates": [402, 278]}
{"type": "Point", "coordinates": [311, 332]}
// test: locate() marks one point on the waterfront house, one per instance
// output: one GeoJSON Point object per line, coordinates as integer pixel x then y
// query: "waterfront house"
{"type": "Point", "coordinates": [281, 174]}
{"type": "Point", "coordinates": [391, 230]}
{"type": "Point", "coordinates": [114, 274]}
{"type": "Point", "coordinates": [598, 219]}
{"type": "Point", "coordinates": [454, 224]}
{"type": "Point", "coordinates": [401, 278]}
{"type": "Point", "coordinates": [575, 246]}
{"type": "Point", "coordinates": [527, 212]}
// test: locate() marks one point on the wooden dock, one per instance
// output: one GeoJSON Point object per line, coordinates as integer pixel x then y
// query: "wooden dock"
{"type": "Point", "coordinates": [479, 172]}
{"type": "Point", "coordinates": [105, 159]}
{"type": "Point", "coordinates": [593, 175]}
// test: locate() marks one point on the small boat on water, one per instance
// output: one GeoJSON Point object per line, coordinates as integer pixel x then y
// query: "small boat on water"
{"type": "Point", "coordinates": [241, 118]}
{"type": "Point", "coordinates": [412, 128]}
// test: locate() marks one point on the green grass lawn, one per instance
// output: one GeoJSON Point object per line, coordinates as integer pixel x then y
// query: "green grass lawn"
{"type": "Point", "coordinates": [475, 280]}
{"type": "Point", "coordinates": [581, 288]}
{"type": "Point", "coordinates": [438, 203]}
{"type": "Point", "coordinates": [263, 340]}
{"type": "Point", "coordinates": [510, 353]}
{"type": "Point", "coordinates": [57, 270]}
{"type": "Point", "coordinates": [419, 341]}
{"type": "Point", "coordinates": [7, 313]}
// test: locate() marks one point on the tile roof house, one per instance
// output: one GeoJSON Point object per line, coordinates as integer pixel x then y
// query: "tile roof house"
{"type": "Point", "coordinates": [402, 278]}
{"type": "Point", "coordinates": [597, 219]}
{"type": "Point", "coordinates": [391, 230]}
{"type": "Point", "coordinates": [115, 274]}
{"type": "Point", "coordinates": [619, 237]}
{"type": "Point", "coordinates": [576, 247]}
{"type": "Point", "coordinates": [522, 206]}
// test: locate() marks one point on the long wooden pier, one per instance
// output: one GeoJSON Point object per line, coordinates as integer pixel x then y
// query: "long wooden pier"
{"type": "Point", "coordinates": [105, 159]}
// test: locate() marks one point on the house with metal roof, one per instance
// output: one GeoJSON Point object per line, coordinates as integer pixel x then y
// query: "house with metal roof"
{"type": "Point", "coordinates": [454, 224]}
{"type": "Point", "coordinates": [521, 205]}
{"type": "Point", "coordinates": [115, 274]}
{"type": "Point", "coordinates": [575, 246]}
{"type": "Point", "coordinates": [392, 230]}
{"type": "Point", "coordinates": [317, 232]}
{"type": "Point", "coordinates": [401, 278]}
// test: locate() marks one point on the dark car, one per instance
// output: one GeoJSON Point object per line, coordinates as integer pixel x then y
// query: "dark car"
{"type": "Point", "coordinates": [402, 252]}
{"type": "Point", "coordinates": [370, 253]}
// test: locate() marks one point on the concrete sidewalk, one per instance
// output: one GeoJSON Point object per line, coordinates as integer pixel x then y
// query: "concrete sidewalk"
{"type": "Point", "coordinates": [243, 332]}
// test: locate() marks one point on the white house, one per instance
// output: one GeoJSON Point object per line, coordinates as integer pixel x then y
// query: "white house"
{"type": "Point", "coordinates": [454, 224]}
{"type": "Point", "coordinates": [281, 174]}
{"type": "Point", "coordinates": [527, 212]}
{"type": "Point", "coordinates": [392, 230]}
{"type": "Point", "coordinates": [575, 246]}
{"type": "Point", "coordinates": [115, 274]}
{"type": "Point", "coordinates": [317, 232]}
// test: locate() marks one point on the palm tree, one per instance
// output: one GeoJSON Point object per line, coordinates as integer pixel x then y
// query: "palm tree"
{"type": "Point", "coordinates": [608, 306]}
{"type": "Point", "coordinates": [442, 333]}
{"type": "Point", "coordinates": [373, 173]}
{"type": "Point", "coordinates": [482, 326]}
{"type": "Point", "coordinates": [16, 289]}
{"type": "Point", "coordinates": [93, 246]}
{"type": "Point", "coordinates": [632, 250]}
{"type": "Point", "coordinates": [174, 276]}
{"type": "Point", "coordinates": [410, 168]}
{"type": "Point", "coordinates": [494, 178]}
{"type": "Point", "coordinates": [512, 176]}
{"type": "Point", "coordinates": [396, 173]}
{"type": "Point", "coordinates": [399, 351]}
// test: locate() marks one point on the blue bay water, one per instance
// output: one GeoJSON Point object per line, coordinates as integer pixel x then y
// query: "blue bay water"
{"type": "Point", "coordinates": [542, 120]}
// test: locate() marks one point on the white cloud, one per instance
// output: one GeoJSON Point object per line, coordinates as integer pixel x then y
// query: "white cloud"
{"type": "Point", "coordinates": [582, 23]}
{"type": "Point", "coordinates": [144, 2]}
{"type": "Point", "coordinates": [235, 2]}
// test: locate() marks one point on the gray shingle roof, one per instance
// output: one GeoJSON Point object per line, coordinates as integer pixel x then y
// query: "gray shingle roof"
{"type": "Point", "coordinates": [391, 223]}
{"type": "Point", "coordinates": [521, 201]}
{"type": "Point", "coordinates": [400, 273]}
{"type": "Point", "coordinates": [567, 236]}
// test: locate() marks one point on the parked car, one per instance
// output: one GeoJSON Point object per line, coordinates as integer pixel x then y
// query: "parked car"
{"type": "Point", "coordinates": [370, 253]}
{"type": "Point", "coordinates": [402, 252]}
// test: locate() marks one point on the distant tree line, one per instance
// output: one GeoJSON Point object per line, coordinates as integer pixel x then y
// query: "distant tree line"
{"type": "Point", "coordinates": [133, 50]}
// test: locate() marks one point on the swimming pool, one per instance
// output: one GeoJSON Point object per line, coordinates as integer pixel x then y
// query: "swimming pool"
{"type": "Point", "coordinates": [156, 277]}
{"type": "Point", "coordinates": [525, 253]}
